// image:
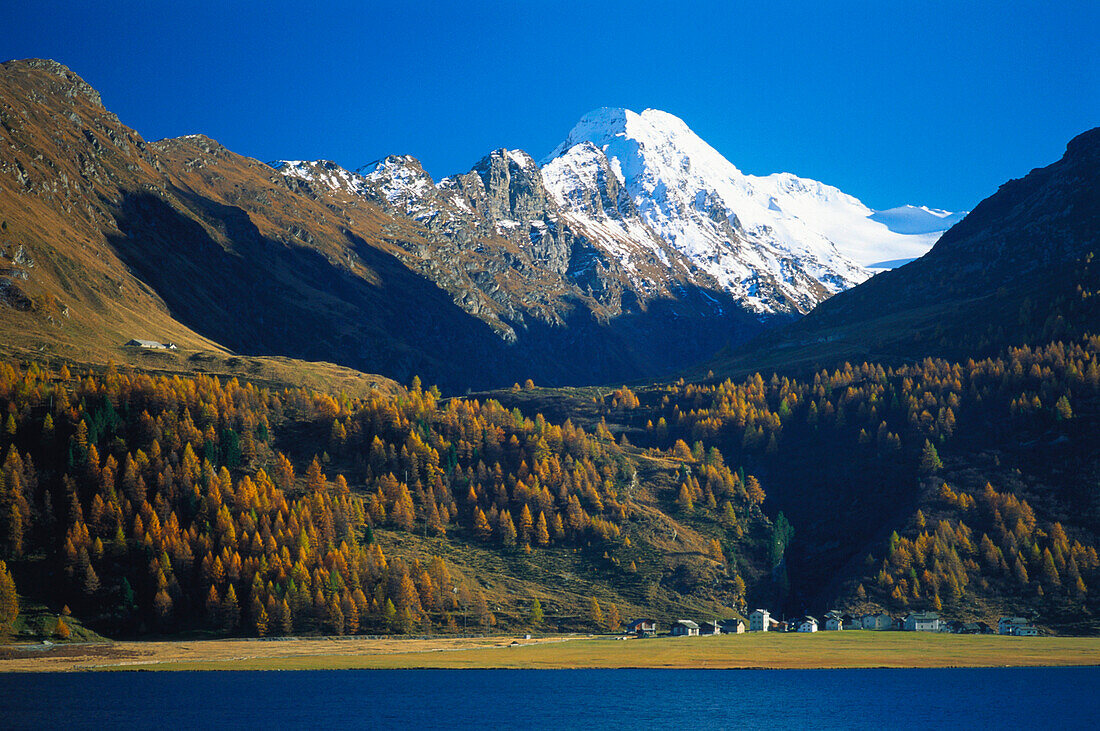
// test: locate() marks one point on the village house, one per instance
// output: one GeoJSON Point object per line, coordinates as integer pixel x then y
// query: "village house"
{"type": "Point", "coordinates": [922, 622]}
{"type": "Point", "coordinates": [733, 626]}
{"type": "Point", "coordinates": [643, 627]}
{"type": "Point", "coordinates": [710, 628]}
{"type": "Point", "coordinates": [807, 624]}
{"type": "Point", "coordinates": [135, 343]}
{"type": "Point", "coordinates": [775, 625]}
{"type": "Point", "coordinates": [879, 621]}
{"type": "Point", "coordinates": [759, 620]}
{"type": "Point", "coordinates": [685, 628]}
{"type": "Point", "coordinates": [834, 621]}
{"type": "Point", "coordinates": [1025, 630]}
{"type": "Point", "coordinates": [151, 344]}
{"type": "Point", "coordinates": [1007, 625]}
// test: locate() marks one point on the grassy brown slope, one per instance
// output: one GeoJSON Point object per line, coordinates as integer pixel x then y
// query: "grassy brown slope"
{"type": "Point", "coordinates": [74, 286]}
{"type": "Point", "coordinates": [65, 159]}
{"type": "Point", "coordinates": [67, 164]}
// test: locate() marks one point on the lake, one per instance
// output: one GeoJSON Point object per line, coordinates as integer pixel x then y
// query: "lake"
{"type": "Point", "coordinates": [1001, 698]}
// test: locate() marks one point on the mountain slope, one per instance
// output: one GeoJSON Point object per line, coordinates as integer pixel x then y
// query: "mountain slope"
{"type": "Point", "coordinates": [184, 241]}
{"type": "Point", "coordinates": [962, 487]}
{"type": "Point", "coordinates": [503, 249]}
{"type": "Point", "coordinates": [66, 166]}
{"type": "Point", "coordinates": [1018, 269]}
{"type": "Point", "coordinates": [514, 254]}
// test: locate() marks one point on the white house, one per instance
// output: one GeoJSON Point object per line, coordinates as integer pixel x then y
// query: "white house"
{"type": "Point", "coordinates": [1025, 630]}
{"type": "Point", "coordinates": [759, 620]}
{"type": "Point", "coordinates": [922, 622]}
{"type": "Point", "coordinates": [1007, 625]}
{"type": "Point", "coordinates": [685, 628]}
{"type": "Point", "coordinates": [879, 621]}
{"type": "Point", "coordinates": [809, 624]}
{"type": "Point", "coordinates": [834, 623]}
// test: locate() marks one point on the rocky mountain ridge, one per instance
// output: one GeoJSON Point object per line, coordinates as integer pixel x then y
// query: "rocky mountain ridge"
{"type": "Point", "coordinates": [638, 203]}
{"type": "Point", "coordinates": [500, 217]}
{"type": "Point", "coordinates": [476, 283]}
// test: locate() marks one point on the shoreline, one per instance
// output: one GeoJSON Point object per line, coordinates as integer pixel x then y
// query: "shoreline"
{"type": "Point", "coordinates": [821, 651]}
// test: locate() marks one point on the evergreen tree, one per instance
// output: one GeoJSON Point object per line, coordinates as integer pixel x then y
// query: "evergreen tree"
{"type": "Point", "coordinates": [1049, 573]}
{"type": "Point", "coordinates": [929, 458]}
{"type": "Point", "coordinates": [1020, 572]}
{"type": "Point", "coordinates": [231, 610]}
{"type": "Point", "coordinates": [595, 613]}
{"type": "Point", "coordinates": [684, 499]}
{"type": "Point", "coordinates": [507, 529]}
{"type": "Point", "coordinates": [542, 534]}
{"type": "Point", "coordinates": [1063, 409]}
{"type": "Point", "coordinates": [481, 525]}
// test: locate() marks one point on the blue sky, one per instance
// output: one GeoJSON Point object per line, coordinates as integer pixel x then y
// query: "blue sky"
{"type": "Point", "coordinates": [933, 103]}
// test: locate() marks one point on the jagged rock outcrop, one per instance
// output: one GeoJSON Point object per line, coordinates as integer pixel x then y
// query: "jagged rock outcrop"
{"type": "Point", "coordinates": [517, 255]}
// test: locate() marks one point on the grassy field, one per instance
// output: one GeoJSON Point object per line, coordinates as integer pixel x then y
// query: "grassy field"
{"type": "Point", "coordinates": [823, 650]}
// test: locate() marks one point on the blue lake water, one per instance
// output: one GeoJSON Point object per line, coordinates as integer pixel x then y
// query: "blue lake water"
{"type": "Point", "coordinates": [1001, 698]}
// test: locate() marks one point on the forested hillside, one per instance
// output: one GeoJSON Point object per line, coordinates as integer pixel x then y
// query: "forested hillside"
{"type": "Point", "coordinates": [156, 504]}
{"type": "Point", "coordinates": [963, 486]}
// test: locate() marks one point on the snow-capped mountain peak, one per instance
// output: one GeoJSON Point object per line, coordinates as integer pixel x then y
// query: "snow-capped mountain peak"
{"type": "Point", "coordinates": [779, 242]}
{"type": "Point", "coordinates": [729, 224]}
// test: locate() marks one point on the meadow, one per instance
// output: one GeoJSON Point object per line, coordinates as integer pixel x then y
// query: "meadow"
{"type": "Point", "coordinates": [853, 649]}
